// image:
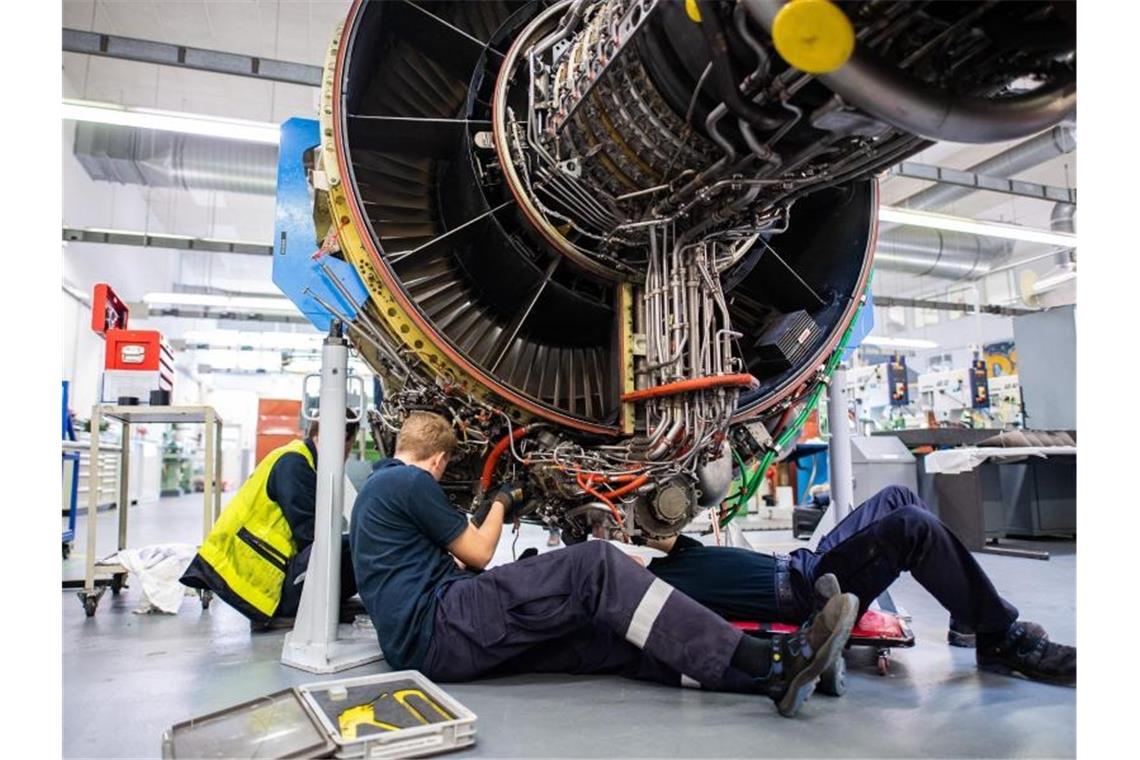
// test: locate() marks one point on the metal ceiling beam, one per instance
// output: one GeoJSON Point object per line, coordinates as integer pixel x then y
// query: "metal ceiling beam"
{"type": "Point", "coordinates": [199, 59]}
{"type": "Point", "coordinates": [965, 308]}
{"type": "Point", "coordinates": [974, 181]}
{"type": "Point", "coordinates": [177, 242]}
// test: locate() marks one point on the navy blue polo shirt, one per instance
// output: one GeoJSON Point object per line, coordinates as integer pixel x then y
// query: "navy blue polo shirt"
{"type": "Point", "coordinates": [401, 526]}
{"type": "Point", "coordinates": [738, 584]}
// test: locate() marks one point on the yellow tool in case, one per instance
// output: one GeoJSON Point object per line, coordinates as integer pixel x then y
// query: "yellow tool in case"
{"type": "Point", "coordinates": [389, 715]}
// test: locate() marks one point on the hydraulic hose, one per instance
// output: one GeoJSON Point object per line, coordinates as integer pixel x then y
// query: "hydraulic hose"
{"type": "Point", "coordinates": [882, 90]}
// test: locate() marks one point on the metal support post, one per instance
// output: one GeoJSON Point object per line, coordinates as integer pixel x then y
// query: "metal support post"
{"type": "Point", "coordinates": [208, 475]}
{"type": "Point", "coordinates": [839, 455]}
{"type": "Point", "coordinates": [313, 644]}
{"type": "Point", "coordinates": [124, 483]}
{"type": "Point", "coordinates": [90, 596]}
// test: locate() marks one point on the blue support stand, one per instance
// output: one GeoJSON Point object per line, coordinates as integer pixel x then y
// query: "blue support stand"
{"type": "Point", "coordinates": [302, 275]}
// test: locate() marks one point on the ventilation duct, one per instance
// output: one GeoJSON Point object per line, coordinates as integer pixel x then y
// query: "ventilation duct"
{"type": "Point", "coordinates": [939, 253]}
{"type": "Point", "coordinates": [957, 256]}
{"type": "Point", "coordinates": [1064, 219]}
{"type": "Point", "coordinates": [132, 156]}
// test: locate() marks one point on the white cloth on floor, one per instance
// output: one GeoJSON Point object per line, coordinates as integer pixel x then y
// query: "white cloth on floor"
{"type": "Point", "coordinates": [158, 569]}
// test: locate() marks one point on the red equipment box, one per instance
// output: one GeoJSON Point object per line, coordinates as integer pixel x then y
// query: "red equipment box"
{"type": "Point", "coordinates": [135, 362]}
{"type": "Point", "coordinates": [107, 311]}
{"type": "Point", "coordinates": [138, 350]}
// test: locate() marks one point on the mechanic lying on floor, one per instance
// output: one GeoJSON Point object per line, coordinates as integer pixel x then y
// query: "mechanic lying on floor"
{"type": "Point", "coordinates": [584, 609]}
{"type": "Point", "coordinates": [256, 555]}
{"type": "Point", "coordinates": [892, 532]}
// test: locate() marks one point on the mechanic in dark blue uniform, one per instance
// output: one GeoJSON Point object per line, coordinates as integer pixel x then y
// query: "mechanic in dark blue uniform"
{"type": "Point", "coordinates": [584, 609]}
{"type": "Point", "coordinates": [890, 533]}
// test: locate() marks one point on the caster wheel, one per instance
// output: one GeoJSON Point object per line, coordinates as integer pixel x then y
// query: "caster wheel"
{"type": "Point", "coordinates": [206, 596]}
{"type": "Point", "coordinates": [66, 551]}
{"type": "Point", "coordinates": [90, 602]}
{"type": "Point", "coordinates": [833, 681]}
{"type": "Point", "coordinates": [883, 663]}
{"type": "Point", "coordinates": [118, 583]}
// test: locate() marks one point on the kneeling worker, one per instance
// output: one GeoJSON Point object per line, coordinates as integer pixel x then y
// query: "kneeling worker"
{"type": "Point", "coordinates": [584, 609]}
{"type": "Point", "coordinates": [257, 553]}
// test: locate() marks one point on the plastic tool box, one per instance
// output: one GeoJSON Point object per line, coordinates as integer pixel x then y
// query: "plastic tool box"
{"type": "Point", "coordinates": [389, 715]}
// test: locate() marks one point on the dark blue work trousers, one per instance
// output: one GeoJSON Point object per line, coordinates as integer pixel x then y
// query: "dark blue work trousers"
{"type": "Point", "coordinates": [587, 608]}
{"type": "Point", "coordinates": [894, 532]}
{"type": "Point", "coordinates": [295, 572]}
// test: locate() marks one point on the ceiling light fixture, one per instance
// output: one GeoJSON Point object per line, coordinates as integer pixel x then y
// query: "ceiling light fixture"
{"type": "Point", "coordinates": [975, 227]}
{"type": "Point", "coordinates": [882, 342]}
{"type": "Point", "coordinates": [172, 121]}
{"type": "Point", "coordinates": [224, 303]}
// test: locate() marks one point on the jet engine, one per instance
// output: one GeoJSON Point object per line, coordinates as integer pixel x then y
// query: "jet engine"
{"type": "Point", "coordinates": [620, 243]}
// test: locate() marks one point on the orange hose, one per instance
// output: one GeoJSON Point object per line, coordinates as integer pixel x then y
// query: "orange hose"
{"type": "Point", "coordinates": [617, 514]}
{"type": "Point", "coordinates": [496, 452]}
{"type": "Point", "coordinates": [597, 477]}
{"type": "Point", "coordinates": [637, 482]}
{"type": "Point", "coordinates": [697, 384]}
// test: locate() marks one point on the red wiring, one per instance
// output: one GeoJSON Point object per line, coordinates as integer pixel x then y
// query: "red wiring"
{"type": "Point", "coordinates": [493, 458]}
{"type": "Point", "coordinates": [596, 494]}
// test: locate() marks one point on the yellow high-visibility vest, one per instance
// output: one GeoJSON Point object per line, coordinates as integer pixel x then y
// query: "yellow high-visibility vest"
{"type": "Point", "coordinates": [251, 544]}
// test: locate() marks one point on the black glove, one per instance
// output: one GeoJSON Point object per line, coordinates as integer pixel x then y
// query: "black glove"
{"type": "Point", "coordinates": [507, 494]}
{"type": "Point", "coordinates": [511, 496]}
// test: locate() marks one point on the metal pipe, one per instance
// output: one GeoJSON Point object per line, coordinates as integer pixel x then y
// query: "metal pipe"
{"type": "Point", "coordinates": [839, 447]}
{"type": "Point", "coordinates": [727, 80]}
{"type": "Point", "coordinates": [882, 90]}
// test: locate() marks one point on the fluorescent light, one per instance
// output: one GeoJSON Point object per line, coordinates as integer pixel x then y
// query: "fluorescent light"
{"type": "Point", "coordinates": [172, 121]}
{"type": "Point", "coordinates": [227, 303]}
{"type": "Point", "coordinates": [975, 227]}
{"type": "Point", "coordinates": [279, 341]}
{"type": "Point", "coordinates": [881, 342]}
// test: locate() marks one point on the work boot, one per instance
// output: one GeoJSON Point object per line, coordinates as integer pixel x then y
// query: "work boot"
{"type": "Point", "coordinates": [962, 635]}
{"type": "Point", "coordinates": [827, 586]}
{"type": "Point", "coordinates": [799, 659]}
{"type": "Point", "coordinates": [1022, 651]}
{"type": "Point", "coordinates": [272, 624]}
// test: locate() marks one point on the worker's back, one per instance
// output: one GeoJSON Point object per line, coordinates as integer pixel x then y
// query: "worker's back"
{"type": "Point", "coordinates": [401, 526]}
{"type": "Point", "coordinates": [244, 557]}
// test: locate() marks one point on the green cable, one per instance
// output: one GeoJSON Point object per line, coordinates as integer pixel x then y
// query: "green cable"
{"type": "Point", "coordinates": [750, 484]}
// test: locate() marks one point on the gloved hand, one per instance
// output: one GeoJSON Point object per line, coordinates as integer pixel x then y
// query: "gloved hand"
{"type": "Point", "coordinates": [509, 495]}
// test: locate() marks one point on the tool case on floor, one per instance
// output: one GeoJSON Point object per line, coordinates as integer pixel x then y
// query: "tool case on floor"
{"type": "Point", "coordinates": [388, 715]}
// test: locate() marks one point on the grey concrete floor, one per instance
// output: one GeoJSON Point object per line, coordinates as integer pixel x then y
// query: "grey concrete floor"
{"type": "Point", "coordinates": [127, 677]}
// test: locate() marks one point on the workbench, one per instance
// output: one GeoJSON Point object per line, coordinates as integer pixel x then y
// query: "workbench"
{"type": "Point", "coordinates": [93, 590]}
{"type": "Point", "coordinates": [986, 494]}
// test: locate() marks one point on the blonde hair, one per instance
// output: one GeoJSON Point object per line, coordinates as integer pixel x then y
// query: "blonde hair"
{"type": "Point", "coordinates": [425, 434]}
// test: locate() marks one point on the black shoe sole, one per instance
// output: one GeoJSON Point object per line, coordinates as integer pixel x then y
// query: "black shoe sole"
{"type": "Point", "coordinates": [803, 683]}
{"type": "Point", "coordinates": [1004, 669]}
{"type": "Point", "coordinates": [963, 640]}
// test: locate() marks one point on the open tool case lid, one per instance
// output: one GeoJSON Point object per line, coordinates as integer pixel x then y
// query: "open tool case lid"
{"type": "Point", "coordinates": [273, 726]}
